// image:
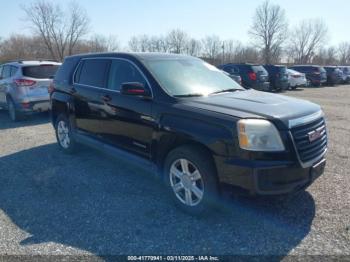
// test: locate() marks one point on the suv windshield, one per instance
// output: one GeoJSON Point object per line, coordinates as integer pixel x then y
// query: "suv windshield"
{"type": "Point", "coordinates": [258, 68]}
{"type": "Point", "coordinates": [40, 72]}
{"type": "Point", "coordinates": [321, 69]}
{"type": "Point", "coordinates": [190, 76]}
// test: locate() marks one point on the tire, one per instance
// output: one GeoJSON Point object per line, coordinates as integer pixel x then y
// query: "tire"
{"type": "Point", "coordinates": [13, 113]}
{"type": "Point", "coordinates": [64, 135]}
{"type": "Point", "coordinates": [194, 190]}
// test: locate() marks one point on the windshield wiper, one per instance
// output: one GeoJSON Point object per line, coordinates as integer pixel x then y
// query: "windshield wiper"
{"type": "Point", "coordinates": [226, 90]}
{"type": "Point", "coordinates": [190, 95]}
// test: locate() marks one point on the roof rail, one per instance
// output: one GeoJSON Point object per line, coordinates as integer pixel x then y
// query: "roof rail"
{"type": "Point", "coordinates": [38, 59]}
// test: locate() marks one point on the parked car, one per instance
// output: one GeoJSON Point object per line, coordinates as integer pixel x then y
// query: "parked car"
{"type": "Point", "coordinates": [334, 75]}
{"type": "Point", "coordinates": [253, 76]}
{"type": "Point", "coordinates": [278, 76]}
{"type": "Point", "coordinates": [346, 74]}
{"type": "Point", "coordinates": [24, 87]}
{"type": "Point", "coordinates": [190, 123]}
{"type": "Point", "coordinates": [296, 79]}
{"type": "Point", "coordinates": [315, 75]}
{"type": "Point", "coordinates": [237, 78]}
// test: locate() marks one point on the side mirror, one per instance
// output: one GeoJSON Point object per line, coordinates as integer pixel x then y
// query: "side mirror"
{"type": "Point", "coordinates": [134, 89]}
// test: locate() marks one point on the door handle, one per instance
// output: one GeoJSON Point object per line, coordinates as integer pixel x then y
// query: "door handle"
{"type": "Point", "coordinates": [106, 98]}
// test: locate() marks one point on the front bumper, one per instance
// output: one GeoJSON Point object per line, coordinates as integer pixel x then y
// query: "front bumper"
{"type": "Point", "coordinates": [268, 177]}
{"type": "Point", "coordinates": [262, 86]}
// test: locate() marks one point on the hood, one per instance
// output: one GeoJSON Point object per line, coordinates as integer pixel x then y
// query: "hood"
{"type": "Point", "coordinates": [251, 103]}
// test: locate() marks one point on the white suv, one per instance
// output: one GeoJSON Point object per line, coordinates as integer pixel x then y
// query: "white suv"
{"type": "Point", "coordinates": [24, 86]}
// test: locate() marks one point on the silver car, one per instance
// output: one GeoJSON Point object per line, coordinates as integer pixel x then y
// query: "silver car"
{"type": "Point", "coordinates": [24, 87]}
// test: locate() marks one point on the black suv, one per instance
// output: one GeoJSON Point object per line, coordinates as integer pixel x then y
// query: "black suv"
{"type": "Point", "coordinates": [253, 76]}
{"type": "Point", "coordinates": [334, 75]}
{"type": "Point", "coordinates": [278, 76]}
{"type": "Point", "coordinates": [190, 122]}
{"type": "Point", "coordinates": [315, 75]}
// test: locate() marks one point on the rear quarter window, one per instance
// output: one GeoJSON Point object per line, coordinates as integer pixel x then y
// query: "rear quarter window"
{"type": "Point", "coordinates": [40, 72]}
{"type": "Point", "coordinates": [92, 72]}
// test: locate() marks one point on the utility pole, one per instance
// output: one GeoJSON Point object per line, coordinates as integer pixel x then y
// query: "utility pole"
{"type": "Point", "coordinates": [223, 52]}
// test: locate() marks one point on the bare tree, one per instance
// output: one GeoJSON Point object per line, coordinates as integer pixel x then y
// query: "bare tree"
{"type": "Point", "coordinates": [212, 46]}
{"type": "Point", "coordinates": [134, 44]}
{"type": "Point", "coordinates": [177, 41]}
{"type": "Point", "coordinates": [305, 39]}
{"type": "Point", "coordinates": [344, 53]}
{"type": "Point", "coordinates": [97, 43]}
{"type": "Point", "coordinates": [326, 56]}
{"type": "Point", "coordinates": [194, 47]}
{"type": "Point", "coordinates": [22, 47]}
{"type": "Point", "coordinates": [269, 30]}
{"type": "Point", "coordinates": [59, 30]}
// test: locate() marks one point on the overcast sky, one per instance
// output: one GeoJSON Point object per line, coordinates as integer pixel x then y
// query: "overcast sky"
{"type": "Point", "coordinates": [228, 19]}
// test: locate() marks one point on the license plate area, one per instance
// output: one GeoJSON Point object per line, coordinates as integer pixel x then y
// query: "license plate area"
{"type": "Point", "coordinates": [318, 169]}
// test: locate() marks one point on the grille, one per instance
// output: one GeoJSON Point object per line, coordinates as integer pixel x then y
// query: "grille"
{"type": "Point", "coordinates": [310, 150]}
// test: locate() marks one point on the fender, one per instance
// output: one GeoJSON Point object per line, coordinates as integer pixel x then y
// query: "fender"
{"type": "Point", "coordinates": [65, 102]}
{"type": "Point", "coordinates": [175, 130]}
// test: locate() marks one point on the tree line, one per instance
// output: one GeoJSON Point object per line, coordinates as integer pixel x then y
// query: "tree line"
{"type": "Point", "coordinates": [58, 31]}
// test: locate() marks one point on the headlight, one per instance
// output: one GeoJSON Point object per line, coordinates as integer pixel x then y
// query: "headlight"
{"type": "Point", "coordinates": [258, 135]}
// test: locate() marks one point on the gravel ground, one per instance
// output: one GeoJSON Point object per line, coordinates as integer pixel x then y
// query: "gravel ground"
{"type": "Point", "coordinates": [91, 204]}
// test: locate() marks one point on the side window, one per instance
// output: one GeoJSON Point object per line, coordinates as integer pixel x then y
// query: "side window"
{"type": "Point", "coordinates": [92, 72]}
{"type": "Point", "coordinates": [121, 72]}
{"type": "Point", "coordinates": [6, 72]}
{"type": "Point", "coordinates": [13, 70]}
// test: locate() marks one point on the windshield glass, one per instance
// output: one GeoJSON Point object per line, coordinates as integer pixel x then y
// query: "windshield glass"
{"type": "Point", "coordinates": [190, 76]}
{"type": "Point", "coordinates": [322, 70]}
{"type": "Point", "coordinates": [259, 69]}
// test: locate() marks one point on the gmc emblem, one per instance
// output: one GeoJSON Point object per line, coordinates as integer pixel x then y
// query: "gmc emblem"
{"type": "Point", "coordinates": [316, 134]}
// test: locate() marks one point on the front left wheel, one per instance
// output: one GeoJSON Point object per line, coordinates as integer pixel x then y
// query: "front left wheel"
{"type": "Point", "coordinates": [190, 175]}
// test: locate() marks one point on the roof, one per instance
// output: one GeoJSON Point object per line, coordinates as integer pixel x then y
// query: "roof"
{"type": "Point", "coordinates": [137, 55]}
{"type": "Point", "coordinates": [306, 65]}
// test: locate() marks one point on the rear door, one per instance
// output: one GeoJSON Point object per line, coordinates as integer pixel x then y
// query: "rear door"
{"type": "Point", "coordinates": [127, 120]}
{"type": "Point", "coordinates": [89, 79]}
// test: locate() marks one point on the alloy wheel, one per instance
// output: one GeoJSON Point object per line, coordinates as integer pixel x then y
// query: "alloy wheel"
{"type": "Point", "coordinates": [186, 182]}
{"type": "Point", "coordinates": [63, 134]}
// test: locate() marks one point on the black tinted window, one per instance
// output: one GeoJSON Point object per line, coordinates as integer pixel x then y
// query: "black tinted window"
{"type": "Point", "coordinates": [40, 72]}
{"type": "Point", "coordinates": [121, 72]}
{"type": "Point", "coordinates": [92, 72]}
{"type": "Point", "coordinates": [6, 72]}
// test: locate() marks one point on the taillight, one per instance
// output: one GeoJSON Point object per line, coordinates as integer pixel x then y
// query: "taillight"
{"type": "Point", "coordinates": [24, 82]}
{"type": "Point", "coordinates": [252, 76]}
